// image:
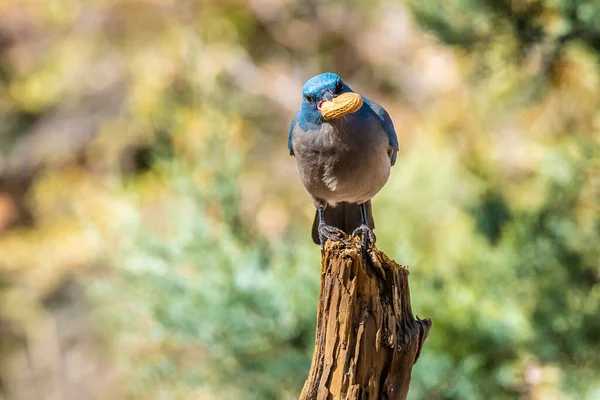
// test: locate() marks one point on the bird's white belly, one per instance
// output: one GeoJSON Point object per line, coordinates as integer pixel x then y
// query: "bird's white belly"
{"type": "Point", "coordinates": [354, 186]}
{"type": "Point", "coordinates": [346, 179]}
{"type": "Point", "coordinates": [342, 166]}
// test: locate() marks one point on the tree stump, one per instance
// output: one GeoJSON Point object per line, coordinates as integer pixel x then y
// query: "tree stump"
{"type": "Point", "coordinates": [367, 338]}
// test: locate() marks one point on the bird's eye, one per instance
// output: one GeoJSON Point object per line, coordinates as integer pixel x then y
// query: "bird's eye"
{"type": "Point", "coordinates": [309, 99]}
{"type": "Point", "coordinates": [339, 86]}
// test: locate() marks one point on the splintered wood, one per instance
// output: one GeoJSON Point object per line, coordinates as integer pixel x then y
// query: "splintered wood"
{"type": "Point", "coordinates": [367, 339]}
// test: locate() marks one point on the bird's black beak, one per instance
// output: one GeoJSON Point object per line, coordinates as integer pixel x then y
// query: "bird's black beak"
{"type": "Point", "coordinates": [328, 95]}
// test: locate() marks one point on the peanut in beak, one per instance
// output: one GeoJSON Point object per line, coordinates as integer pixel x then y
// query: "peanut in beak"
{"type": "Point", "coordinates": [346, 103]}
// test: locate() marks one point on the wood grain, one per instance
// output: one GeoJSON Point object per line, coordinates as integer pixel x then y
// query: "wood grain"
{"type": "Point", "coordinates": [367, 339]}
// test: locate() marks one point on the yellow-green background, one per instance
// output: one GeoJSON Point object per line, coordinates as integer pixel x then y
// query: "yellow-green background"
{"type": "Point", "coordinates": [155, 237]}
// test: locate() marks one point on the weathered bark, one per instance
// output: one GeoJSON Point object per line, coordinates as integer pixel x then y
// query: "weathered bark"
{"type": "Point", "coordinates": [367, 338]}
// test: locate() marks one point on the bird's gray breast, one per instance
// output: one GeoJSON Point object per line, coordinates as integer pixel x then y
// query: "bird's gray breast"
{"type": "Point", "coordinates": [343, 160]}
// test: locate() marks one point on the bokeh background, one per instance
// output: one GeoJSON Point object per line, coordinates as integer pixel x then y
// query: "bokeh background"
{"type": "Point", "coordinates": [155, 237]}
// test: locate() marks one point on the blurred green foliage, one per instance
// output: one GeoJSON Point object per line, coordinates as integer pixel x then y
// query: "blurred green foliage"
{"type": "Point", "coordinates": [143, 159]}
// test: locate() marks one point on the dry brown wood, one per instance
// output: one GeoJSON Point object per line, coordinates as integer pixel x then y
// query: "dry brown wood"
{"type": "Point", "coordinates": [367, 338]}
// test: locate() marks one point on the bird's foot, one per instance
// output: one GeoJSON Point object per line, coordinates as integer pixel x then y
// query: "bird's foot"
{"type": "Point", "coordinates": [367, 238]}
{"type": "Point", "coordinates": [330, 232]}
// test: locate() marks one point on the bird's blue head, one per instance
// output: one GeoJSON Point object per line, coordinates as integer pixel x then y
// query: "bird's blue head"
{"type": "Point", "coordinates": [318, 89]}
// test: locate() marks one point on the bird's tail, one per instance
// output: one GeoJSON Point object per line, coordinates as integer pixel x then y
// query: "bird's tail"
{"type": "Point", "coordinates": [345, 216]}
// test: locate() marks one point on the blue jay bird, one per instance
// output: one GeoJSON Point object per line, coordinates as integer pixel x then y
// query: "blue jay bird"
{"type": "Point", "coordinates": [343, 161]}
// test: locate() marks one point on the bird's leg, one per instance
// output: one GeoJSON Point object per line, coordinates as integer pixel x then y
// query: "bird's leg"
{"type": "Point", "coordinates": [328, 231]}
{"type": "Point", "coordinates": [365, 233]}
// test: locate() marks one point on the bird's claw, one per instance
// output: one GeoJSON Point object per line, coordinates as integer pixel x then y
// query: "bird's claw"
{"type": "Point", "coordinates": [330, 232]}
{"type": "Point", "coordinates": [367, 239]}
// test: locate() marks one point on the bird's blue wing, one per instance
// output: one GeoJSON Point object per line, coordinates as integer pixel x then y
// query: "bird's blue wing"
{"type": "Point", "coordinates": [387, 124]}
{"type": "Point", "coordinates": [290, 134]}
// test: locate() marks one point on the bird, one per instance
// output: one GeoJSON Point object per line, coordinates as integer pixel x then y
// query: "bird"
{"type": "Point", "coordinates": [343, 161]}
